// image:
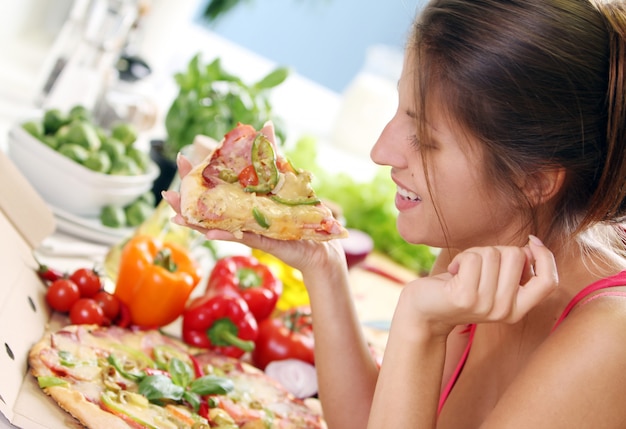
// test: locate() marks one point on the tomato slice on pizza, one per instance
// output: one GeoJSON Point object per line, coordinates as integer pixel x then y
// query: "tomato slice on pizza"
{"type": "Point", "coordinates": [246, 184]}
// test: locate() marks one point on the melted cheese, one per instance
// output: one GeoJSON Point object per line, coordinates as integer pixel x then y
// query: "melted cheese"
{"type": "Point", "coordinates": [230, 200]}
{"type": "Point", "coordinates": [296, 187]}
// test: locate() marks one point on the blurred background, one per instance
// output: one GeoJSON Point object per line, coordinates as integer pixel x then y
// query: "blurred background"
{"type": "Point", "coordinates": [325, 40]}
{"type": "Point", "coordinates": [324, 71]}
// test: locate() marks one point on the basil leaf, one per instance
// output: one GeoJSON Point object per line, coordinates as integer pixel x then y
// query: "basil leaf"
{"type": "Point", "coordinates": [181, 373]}
{"type": "Point", "coordinates": [211, 385]}
{"type": "Point", "coordinates": [156, 387]}
{"type": "Point", "coordinates": [193, 399]}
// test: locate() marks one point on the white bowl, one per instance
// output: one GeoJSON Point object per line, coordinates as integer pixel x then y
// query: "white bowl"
{"type": "Point", "coordinates": [65, 184]}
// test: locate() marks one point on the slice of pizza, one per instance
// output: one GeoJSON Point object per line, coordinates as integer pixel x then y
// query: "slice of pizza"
{"type": "Point", "coordinates": [246, 184]}
{"type": "Point", "coordinates": [110, 377]}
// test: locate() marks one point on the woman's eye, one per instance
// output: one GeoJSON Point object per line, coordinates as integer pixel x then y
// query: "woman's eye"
{"type": "Point", "coordinates": [415, 142]}
{"type": "Point", "coordinates": [418, 144]}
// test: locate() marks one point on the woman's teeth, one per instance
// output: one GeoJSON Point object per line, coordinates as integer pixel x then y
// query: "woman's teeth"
{"type": "Point", "coordinates": [405, 193]}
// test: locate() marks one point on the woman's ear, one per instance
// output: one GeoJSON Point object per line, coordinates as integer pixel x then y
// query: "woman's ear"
{"type": "Point", "coordinates": [544, 185]}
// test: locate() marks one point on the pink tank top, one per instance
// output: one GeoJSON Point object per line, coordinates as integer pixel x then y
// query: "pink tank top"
{"type": "Point", "coordinates": [613, 281]}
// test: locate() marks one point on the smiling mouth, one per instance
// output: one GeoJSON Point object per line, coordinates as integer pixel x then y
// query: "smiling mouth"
{"type": "Point", "coordinates": [405, 193]}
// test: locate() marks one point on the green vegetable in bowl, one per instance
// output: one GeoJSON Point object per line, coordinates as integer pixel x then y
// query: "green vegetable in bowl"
{"type": "Point", "coordinates": [98, 161]}
{"type": "Point", "coordinates": [137, 212]}
{"type": "Point", "coordinates": [50, 141]}
{"type": "Point", "coordinates": [113, 147]}
{"type": "Point", "coordinates": [84, 134]}
{"type": "Point", "coordinates": [139, 156]}
{"type": "Point", "coordinates": [113, 216]}
{"type": "Point", "coordinates": [33, 128]}
{"type": "Point", "coordinates": [76, 136]}
{"type": "Point", "coordinates": [80, 112]}
{"type": "Point", "coordinates": [53, 119]}
{"type": "Point", "coordinates": [125, 166]}
{"type": "Point", "coordinates": [125, 133]}
{"type": "Point", "coordinates": [74, 152]}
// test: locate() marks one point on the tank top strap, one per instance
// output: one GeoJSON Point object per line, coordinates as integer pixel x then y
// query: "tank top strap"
{"type": "Point", "coordinates": [616, 280]}
{"type": "Point", "coordinates": [457, 371]}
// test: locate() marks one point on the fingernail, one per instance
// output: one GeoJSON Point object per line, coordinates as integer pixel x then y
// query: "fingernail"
{"type": "Point", "coordinates": [533, 239]}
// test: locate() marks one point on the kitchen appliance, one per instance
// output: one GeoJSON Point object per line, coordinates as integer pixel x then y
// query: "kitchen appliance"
{"type": "Point", "coordinates": [81, 63]}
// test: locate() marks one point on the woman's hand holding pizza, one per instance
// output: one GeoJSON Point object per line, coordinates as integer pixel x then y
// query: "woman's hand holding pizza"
{"type": "Point", "coordinates": [483, 284]}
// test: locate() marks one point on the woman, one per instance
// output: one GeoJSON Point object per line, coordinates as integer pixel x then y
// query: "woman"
{"type": "Point", "coordinates": [510, 127]}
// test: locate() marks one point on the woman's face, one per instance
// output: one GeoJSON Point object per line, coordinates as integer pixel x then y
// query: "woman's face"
{"type": "Point", "coordinates": [460, 194]}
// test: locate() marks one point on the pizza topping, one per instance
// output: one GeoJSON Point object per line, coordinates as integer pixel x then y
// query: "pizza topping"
{"type": "Point", "coordinates": [264, 163]}
{"type": "Point", "coordinates": [222, 323]}
{"type": "Point", "coordinates": [260, 218]}
{"type": "Point", "coordinates": [296, 189]}
{"type": "Point", "coordinates": [50, 380]}
{"type": "Point", "coordinates": [245, 276]}
{"type": "Point", "coordinates": [229, 176]}
{"type": "Point", "coordinates": [155, 280]}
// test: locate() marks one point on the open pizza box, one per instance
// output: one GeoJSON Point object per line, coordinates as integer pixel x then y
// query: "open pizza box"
{"type": "Point", "coordinates": [25, 220]}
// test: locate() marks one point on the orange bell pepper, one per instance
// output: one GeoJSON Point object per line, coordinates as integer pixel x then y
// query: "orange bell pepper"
{"type": "Point", "coordinates": [155, 280]}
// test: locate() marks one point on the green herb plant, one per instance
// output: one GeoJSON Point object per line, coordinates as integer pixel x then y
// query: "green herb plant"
{"type": "Point", "coordinates": [211, 101]}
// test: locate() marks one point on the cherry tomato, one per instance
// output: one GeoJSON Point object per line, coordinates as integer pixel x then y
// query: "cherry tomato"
{"type": "Point", "coordinates": [88, 282]}
{"type": "Point", "coordinates": [62, 294]}
{"type": "Point", "coordinates": [86, 311]}
{"type": "Point", "coordinates": [110, 304]}
{"type": "Point", "coordinates": [248, 176]}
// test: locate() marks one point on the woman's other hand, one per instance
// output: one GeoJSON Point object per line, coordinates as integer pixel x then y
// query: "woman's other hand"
{"type": "Point", "coordinates": [484, 284]}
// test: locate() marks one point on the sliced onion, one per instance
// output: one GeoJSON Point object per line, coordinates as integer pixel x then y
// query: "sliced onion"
{"type": "Point", "coordinates": [297, 376]}
{"type": "Point", "coordinates": [357, 246]}
{"type": "Point", "coordinates": [279, 184]}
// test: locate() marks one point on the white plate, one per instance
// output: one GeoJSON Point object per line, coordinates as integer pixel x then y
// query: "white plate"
{"type": "Point", "coordinates": [89, 228]}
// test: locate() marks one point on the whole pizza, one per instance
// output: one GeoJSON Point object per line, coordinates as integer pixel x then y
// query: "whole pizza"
{"type": "Point", "coordinates": [112, 377]}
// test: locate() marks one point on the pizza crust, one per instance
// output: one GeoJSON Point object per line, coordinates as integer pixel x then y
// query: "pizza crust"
{"type": "Point", "coordinates": [72, 401]}
{"type": "Point", "coordinates": [88, 413]}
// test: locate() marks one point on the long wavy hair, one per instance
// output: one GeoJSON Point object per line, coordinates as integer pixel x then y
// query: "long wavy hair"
{"type": "Point", "coordinates": [541, 85]}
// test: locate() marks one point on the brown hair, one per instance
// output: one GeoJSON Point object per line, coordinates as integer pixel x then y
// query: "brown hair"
{"type": "Point", "coordinates": [541, 84]}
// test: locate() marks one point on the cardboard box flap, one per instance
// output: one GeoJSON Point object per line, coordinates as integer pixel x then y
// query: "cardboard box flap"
{"type": "Point", "coordinates": [27, 211]}
{"type": "Point", "coordinates": [25, 220]}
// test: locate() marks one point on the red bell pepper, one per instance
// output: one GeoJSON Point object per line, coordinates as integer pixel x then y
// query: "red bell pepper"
{"type": "Point", "coordinates": [222, 323]}
{"type": "Point", "coordinates": [248, 278]}
{"type": "Point", "coordinates": [287, 335]}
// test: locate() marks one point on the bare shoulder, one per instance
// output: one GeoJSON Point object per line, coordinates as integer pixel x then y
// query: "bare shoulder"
{"type": "Point", "coordinates": [577, 377]}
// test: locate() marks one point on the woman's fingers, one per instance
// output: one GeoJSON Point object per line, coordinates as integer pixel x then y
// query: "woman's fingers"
{"type": "Point", "coordinates": [499, 283]}
{"type": "Point", "coordinates": [183, 164]}
{"type": "Point", "coordinates": [173, 199]}
{"type": "Point", "coordinates": [545, 279]}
